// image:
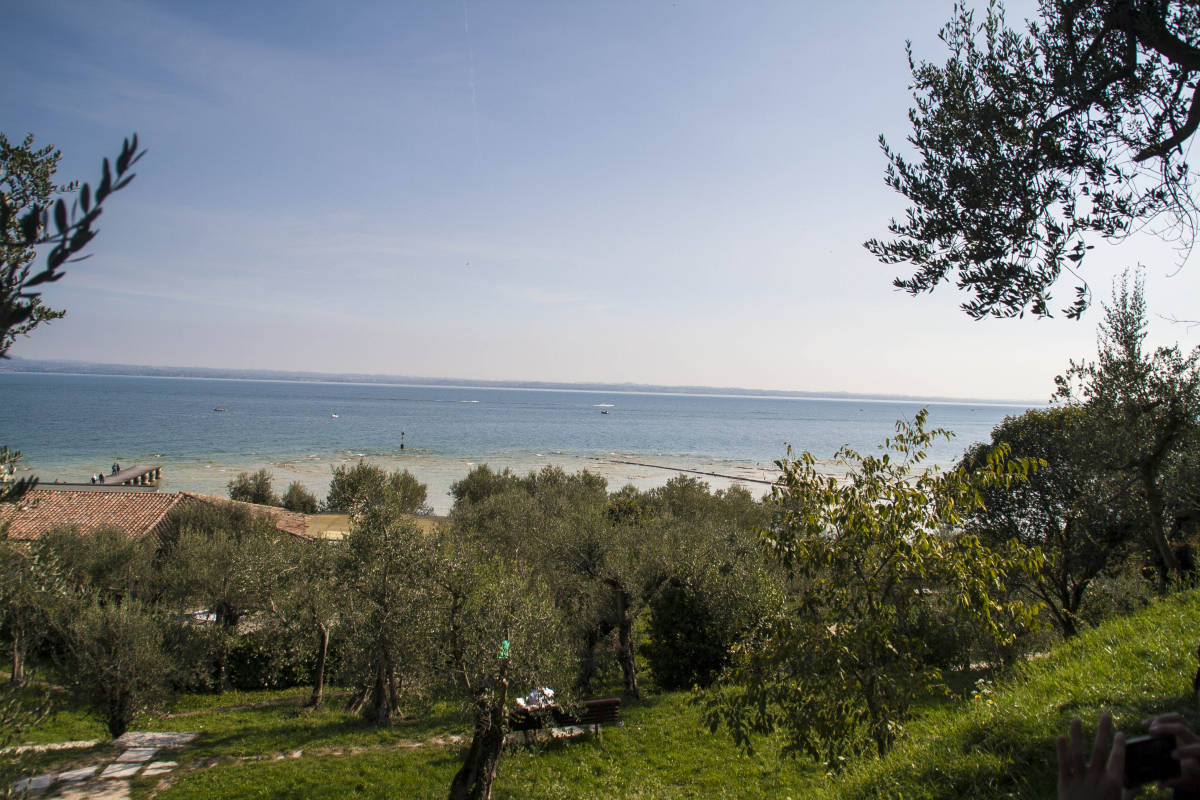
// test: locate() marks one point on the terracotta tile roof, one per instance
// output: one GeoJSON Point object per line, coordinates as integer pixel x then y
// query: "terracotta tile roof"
{"type": "Point", "coordinates": [286, 521]}
{"type": "Point", "coordinates": [43, 509]}
{"type": "Point", "coordinates": [139, 513]}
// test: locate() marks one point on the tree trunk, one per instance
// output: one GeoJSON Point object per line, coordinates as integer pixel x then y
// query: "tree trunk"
{"type": "Point", "coordinates": [474, 779]}
{"type": "Point", "coordinates": [393, 689]}
{"type": "Point", "coordinates": [318, 689]}
{"type": "Point", "coordinates": [587, 662]}
{"type": "Point", "coordinates": [380, 708]}
{"type": "Point", "coordinates": [1166, 561]}
{"type": "Point", "coordinates": [880, 732]}
{"type": "Point", "coordinates": [356, 703]}
{"type": "Point", "coordinates": [18, 656]}
{"type": "Point", "coordinates": [625, 647]}
{"type": "Point", "coordinates": [221, 668]}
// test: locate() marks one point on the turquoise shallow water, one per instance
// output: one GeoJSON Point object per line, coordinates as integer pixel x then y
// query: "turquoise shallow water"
{"type": "Point", "coordinates": [69, 426]}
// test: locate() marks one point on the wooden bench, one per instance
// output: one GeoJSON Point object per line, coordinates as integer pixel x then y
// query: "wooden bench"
{"type": "Point", "coordinates": [591, 714]}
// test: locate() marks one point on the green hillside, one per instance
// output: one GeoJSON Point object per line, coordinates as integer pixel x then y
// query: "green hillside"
{"type": "Point", "coordinates": [1000, 744]}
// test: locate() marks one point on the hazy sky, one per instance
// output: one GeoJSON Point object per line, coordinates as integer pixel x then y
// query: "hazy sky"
{"type": "Point", "coordinates": [662, 192]}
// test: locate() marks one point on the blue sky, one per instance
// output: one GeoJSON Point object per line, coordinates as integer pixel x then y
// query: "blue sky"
{"type": "Point", "coordinates": [663, 192]}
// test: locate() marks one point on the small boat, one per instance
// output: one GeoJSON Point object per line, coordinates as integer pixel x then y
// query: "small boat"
{"type": "Point", "coordinates": [220, 408]}
{"type": "Point", "coordinates": [334, 416]}
{"type": "Point", "coordinates": [604, 411]}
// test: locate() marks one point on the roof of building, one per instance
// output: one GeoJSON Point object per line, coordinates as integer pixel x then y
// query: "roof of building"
{"type": "Point", "coordinates": [291, 522]}
{"type": "Point", "coordinates": [138, 513]}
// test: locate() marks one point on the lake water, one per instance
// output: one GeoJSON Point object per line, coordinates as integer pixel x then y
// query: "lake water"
{"type": "Point", "coordinates": [70, 426]}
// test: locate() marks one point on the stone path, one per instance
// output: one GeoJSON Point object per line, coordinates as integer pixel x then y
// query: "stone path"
{"type": "Point", "coordinates": [110, 781]}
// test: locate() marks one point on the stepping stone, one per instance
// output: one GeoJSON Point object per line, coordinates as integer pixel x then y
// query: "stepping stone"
{"type": "Point", "coordinates": [71, 776]}
{"type": "Point", "coordinates": [34, 784]}
{"type": "Point", "coordinates": [120, 770]}
{"type": "Point", "coordinates": [152, 739]}
{"type": "Point", "coordinates": [138, 754]}
{"type": "Point", "coordinates": [159, 767]}
{"type": "Point", "coordinates": [97, 790]}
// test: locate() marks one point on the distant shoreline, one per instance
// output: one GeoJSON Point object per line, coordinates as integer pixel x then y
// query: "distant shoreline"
{"type": "Point", "coordinates": [35, 366]}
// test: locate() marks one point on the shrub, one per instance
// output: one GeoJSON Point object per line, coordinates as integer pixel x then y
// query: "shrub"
{"type": "Point", "coordinates": [696, 619]}
{"type": "Point", "coordinates": [299, 499]}
{"type": "Point", "coordinates": [115, 662]}
{"type": "Point", "coordinates": [254, 488]}
{"type": "Point", "coordinates": [269, 658]}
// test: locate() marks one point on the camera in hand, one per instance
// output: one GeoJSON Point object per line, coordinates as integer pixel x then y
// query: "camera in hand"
{"type": "Point", "coordinates": [1148, 758]}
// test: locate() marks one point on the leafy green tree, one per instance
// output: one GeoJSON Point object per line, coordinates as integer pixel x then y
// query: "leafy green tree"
{"type": "Point", "coordinates": [1144, 409]}
{"type": "Point", "coordinates": [299, 499]}
{"type": "Point", "coordinates": [108, 562]}
{"type": "Point", "coordinates": [865, 553]}
{"type": "Point", "coordinates": [352, 485]}
{"type": "Point", "coordinates": [309, 594]}
{"type": "Point", "coordinates": [254, 488]}
{"type": "Point", "coordinates": [222, 560]}
{"type": "Point", "coordinates": [12, 488]}
{"type": "Point", "coordinates": [701, 613]}
{"type": "Point", "coordinates": [1030, 143]}
{"type": "Point", "coordinates": [32, 589]}
{"type": "Point", "coordinates": [555, 523]}
{"type": "Point", "coordinates": [1072, 509]}
{"type": "Point", "coordinates": [385, 572]}
{"type": "Point", "coordinates": [502, 632]}
{"type": "Point", "coordinates": [114, 661]}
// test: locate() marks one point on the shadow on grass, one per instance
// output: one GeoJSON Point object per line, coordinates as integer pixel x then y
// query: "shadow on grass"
{"type": "Point", "coordinates": [1009, 755]}
{"type": "Point", "coordinates": [263, 733]}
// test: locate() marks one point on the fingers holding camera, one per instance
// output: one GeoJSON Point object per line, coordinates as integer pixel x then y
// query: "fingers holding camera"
{"type": "Point", "coordinates": [1187, 750]}
{"type": "Point", "coordinates": [1103, 776]}
{"type": "Point", "coordinates": [1172, 725]}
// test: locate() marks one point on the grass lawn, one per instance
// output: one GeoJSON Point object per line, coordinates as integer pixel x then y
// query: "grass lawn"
{"type": "Point", "coordinates": [1001, 743]}
{"type": "Point", "coordinates": [998, 744]}
{"type": "Point", "coordinates": [662, 751]}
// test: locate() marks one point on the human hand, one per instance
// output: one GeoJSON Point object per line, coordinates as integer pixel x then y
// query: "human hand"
{"type": "Point", "coordinates": [1104, 775]}
{"type": "Point", "coordinates": [1187, 749]}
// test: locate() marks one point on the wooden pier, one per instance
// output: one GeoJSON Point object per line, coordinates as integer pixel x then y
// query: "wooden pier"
{"type": "Point", "coordinates": [140, 475]}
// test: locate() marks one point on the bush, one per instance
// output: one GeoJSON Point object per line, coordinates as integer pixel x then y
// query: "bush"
{"type": "Point", "coordinates": [352, 485]}
{"type": "Point", "coordinates": [269, 658]}
{"type": "Point", "coordinates": [254, 488]}
{"type": "Point", "coordinates": [696, 619]}
{"type": "Point", "coordinates": [115, 662]}
{"type": "Point", "coordinates": [299, 499]}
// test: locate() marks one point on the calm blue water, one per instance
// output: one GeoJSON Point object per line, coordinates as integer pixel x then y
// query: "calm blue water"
{"type": "Point", "coordinates": [83, 423]}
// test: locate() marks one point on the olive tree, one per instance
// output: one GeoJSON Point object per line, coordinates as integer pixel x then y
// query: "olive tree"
{"type": "Point", "coordinates": [308, 593]}
{"type": "Point", "coordinates": [254, 488]}
{"type": "Point", "coordinates": [32, 588]}
{"type": "Point", "coordinates": [31, 217]}
{"type": "Point", "coordinates": [219, 559]}
{"type": "Point", "coordinates": [299, 499]}
{"type": "Point", "coordinates": [389, 618]}
{"type": "Point", "coordinates": [352, 485]}
{"type": "Point", "coordinates": [1032, 142]}
{"type": "Point", "coordinates": [107, 562]}
{"type": "Point", "coordinates": [1080, 516]}
{"type": "Point", "coordinates": [114, 661]}
{"type": "Point", "coordinates": [502, 636]}
{"type": "Point", "coordinates": [1144, 413]}
{"type": "Point", "coordinates": [864, 554]}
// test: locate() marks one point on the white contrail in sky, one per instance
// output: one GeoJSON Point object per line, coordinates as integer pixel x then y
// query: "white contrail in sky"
{"type": "Point", "coordinates": [471, 73]}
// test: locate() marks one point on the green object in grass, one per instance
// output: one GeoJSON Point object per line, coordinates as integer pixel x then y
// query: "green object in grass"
{"type": "Point", "coordinates": [504, 648]}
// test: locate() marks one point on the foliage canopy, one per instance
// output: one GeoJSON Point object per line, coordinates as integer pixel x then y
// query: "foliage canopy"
{"type": "Point", "coordinates": [867, 555]}
{"type": "Point", "coordinates": [1029, 144]}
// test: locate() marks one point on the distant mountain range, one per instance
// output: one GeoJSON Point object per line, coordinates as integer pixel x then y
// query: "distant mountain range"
{"type": "Point", "coordinates": [91, 368]}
